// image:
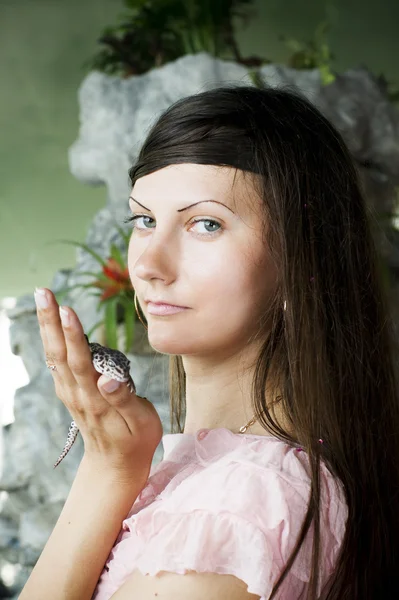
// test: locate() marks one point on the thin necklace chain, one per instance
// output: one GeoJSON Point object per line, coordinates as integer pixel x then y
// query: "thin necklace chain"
{"type": "Point", "coordinates": [245, 427]}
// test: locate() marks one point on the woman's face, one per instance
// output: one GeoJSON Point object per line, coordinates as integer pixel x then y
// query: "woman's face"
{"type": "Point", "coordinates": [208, 257]}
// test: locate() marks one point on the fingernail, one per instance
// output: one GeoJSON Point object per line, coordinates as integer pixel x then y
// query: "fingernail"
{"type": "Point", "coordinates": [111, 385]}
{"type": "Point", "coordinates": [64, 315]}
{"type": "Point", "coordinates": [40, 298]}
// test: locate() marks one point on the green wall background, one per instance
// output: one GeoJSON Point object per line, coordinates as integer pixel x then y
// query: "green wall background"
{"type": "Point", "coordinates": [43, 44]}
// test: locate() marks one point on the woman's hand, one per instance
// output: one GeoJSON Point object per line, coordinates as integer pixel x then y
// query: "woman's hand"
{"type": "Point", "coordinates": [120, 430]}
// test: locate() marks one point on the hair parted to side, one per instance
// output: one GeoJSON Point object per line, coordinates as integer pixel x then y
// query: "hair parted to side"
{"type": "Point", "coordinates": [332, 351]}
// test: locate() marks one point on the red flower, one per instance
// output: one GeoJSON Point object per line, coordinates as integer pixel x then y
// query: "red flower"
{"type": "Point", "coordinates": [115, 281]}
{"type": "Point", "coordinates": [114, 271]}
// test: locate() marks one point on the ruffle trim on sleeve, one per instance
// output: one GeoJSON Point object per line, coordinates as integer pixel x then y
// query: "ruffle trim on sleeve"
{"type": "Point", "coordinates": [200, 541]}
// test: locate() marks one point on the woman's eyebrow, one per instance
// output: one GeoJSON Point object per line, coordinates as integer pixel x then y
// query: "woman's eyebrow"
{"type": "Point", "coordinates": [186, 207]}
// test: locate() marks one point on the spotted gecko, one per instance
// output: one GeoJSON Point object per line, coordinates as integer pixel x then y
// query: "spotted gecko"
{"type": "Point", "coordinates": [109, 362]}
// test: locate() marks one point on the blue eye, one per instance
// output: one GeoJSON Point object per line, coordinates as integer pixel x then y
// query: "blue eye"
{"type": "Point", "coordinates": [212, 223]}
{"type": "Point", "coordinates": [133, 219]}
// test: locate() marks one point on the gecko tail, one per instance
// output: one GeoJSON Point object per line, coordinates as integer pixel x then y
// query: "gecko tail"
{"type": "Point", "coordinates": [72, 435]}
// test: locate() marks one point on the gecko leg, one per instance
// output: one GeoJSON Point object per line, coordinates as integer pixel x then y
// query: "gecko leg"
{"type": "Point", "coordinates": [72, 435]}
{"type": "Point", "coordinates": [130, 385]}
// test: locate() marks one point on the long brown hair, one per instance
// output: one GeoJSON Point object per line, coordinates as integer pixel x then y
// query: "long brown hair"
{"type": "Point", "coordinates": [332, 351]}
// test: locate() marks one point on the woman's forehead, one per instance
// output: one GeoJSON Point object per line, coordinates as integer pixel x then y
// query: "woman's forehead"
{"type": "Point", "coordinates": [196, 182]}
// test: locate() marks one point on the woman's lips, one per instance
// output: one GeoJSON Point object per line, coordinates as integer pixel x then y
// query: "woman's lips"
{"type": "Point", "coordinates": [164, 309]}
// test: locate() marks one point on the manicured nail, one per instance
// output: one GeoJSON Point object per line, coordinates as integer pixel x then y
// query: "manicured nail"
{"type": "Point", "coordinates": [111, 385]}
{"type": "Point", "coordinates": [64, 315]}
{"type": "Point", "coordinates": [40, 298]}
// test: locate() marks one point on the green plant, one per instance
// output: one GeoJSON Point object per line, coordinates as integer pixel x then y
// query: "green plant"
{"type": "Point", "coordinates": [313, 54]}
{"type": "Point", "coordinates": [113, 287]}
{"type": "Point", "coordinates": [154, 32]}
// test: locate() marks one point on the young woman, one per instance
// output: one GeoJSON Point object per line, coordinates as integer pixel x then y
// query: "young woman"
{"type": "Point", "coordinates": [249, 222]}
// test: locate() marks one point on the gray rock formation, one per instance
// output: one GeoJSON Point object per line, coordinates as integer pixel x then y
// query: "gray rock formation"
{"type": "Point", "coordinates": [115, 116]}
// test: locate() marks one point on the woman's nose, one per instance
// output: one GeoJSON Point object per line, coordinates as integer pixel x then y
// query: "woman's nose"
{"type": "Point", "coordinates": [155, 261]}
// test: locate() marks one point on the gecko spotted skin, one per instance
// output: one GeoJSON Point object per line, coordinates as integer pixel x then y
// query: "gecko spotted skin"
{"type": "Point", "coordinates": [108, 362]}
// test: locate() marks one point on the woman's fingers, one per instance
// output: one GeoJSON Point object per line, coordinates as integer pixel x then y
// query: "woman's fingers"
{"type": "Point", "coordinates": [53, 336]}
{"type": "Point", "coordinates": [66, 347]}
{"type": "Point", "coordinates": [79, 356]}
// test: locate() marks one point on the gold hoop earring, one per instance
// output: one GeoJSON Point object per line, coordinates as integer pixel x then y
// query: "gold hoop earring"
{"type": "Point", "coordinates": [137, 310]}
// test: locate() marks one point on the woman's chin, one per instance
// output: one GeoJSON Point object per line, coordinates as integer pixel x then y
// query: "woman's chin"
{"type": "Point", "coordinates": [165, 344]}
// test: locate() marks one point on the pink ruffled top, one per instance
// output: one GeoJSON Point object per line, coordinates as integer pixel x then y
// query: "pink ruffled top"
{"type": "Point", "coordinates": [227, 503]}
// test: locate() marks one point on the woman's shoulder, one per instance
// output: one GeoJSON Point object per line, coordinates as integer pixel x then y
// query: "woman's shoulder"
{"type": "Point", "coordinates": [256, 476]}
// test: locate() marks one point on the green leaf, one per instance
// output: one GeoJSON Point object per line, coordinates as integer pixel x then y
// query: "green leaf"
{"type": "Point", "coordinates": [129, 323]}
{"type": "Point", "coordinates": [91, 273]}
{"type": "Point", "coordinates": [326, 74]}
{"type": "Point", "coordinates": [123, 234]}
{"type": "Point", "coordinates": [59, 296]}
{"type": "Point", "coordinates": [89, 333]}
{"type": "Point", "coordinates": [256, 78]}
{"type": "Point", "coordinates": [101, 277]}
{"type": "Point", "coordinates": [111, 299]}
{"type": "Point", "coordinates": [111, 324]}
{"type": "Point", "coordinates": [83, 246]}
{"type": "Point", "coordinates": [128, 293]}
{"type": "Point", "coordinates": [63, 291]}
{"type": "Point", "coordinates": [117, 255]}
